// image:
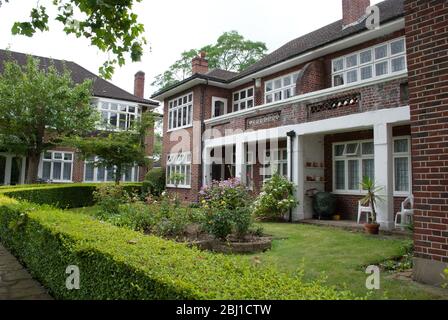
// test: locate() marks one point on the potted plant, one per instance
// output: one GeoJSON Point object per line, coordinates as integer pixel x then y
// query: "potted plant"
{"type": "Point", "coordinates": [371, 198]}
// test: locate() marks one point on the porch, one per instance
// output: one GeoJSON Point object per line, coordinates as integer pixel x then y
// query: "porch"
{"type": "Point", "coordinates": [308, 155]}
{"type": "Point", "coordinates": [12, 169]}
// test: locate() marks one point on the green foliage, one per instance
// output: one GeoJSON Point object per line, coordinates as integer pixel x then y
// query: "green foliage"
{"type": "Point", "coordinates": [39, 108]}
{"type": "Point", "coordinates": [111, 26]}
{"type": "Point", "coordinates": [118, 263]}
{"type": "Point", "coordinates": [61, 196]}
{"type": "Point", "coordinates": [119, 150]}
{"type": "Point", "coordinates": [154, 182]}
{"type": "Point", "coordinates": [108, 198]}
{"type": "Point", "coordinates": [227, 208]}
{"type": "Point", "coordinates": [275, 199]}
{"type": "Point", "coordinates": [136, 216]}
{"type": "Point", "coordinates": [231, 52]}
{"type": "Point", "coordinates": [371, 197]}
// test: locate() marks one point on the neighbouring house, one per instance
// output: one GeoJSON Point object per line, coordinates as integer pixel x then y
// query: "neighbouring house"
{"type": "Point", "coordinates": [324, 110]}
{"type": "Point", "coordinates": [117, 107]}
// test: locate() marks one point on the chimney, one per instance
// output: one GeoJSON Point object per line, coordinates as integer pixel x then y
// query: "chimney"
{"type": "Point", "coordinates": [353, 10]}
{"type": "Point", "coordinates": [199, 64]}
{"type": "Point", "coordinates": [139, 84]}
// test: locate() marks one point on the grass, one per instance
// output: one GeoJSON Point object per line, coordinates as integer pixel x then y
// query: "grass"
{"type": "Point", "coordinates": [341, 256]}
{"type": "Point", "coordinates": [338, 255]}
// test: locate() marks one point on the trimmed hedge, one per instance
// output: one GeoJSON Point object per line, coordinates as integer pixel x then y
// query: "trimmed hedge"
{"type": "Point", "coordinates": [116, 263]}
{"type": "Point", "coordinates": [61, 196]}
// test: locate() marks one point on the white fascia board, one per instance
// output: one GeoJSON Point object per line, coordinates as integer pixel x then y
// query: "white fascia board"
{"type": "Point", "coordinates": [357, 121]}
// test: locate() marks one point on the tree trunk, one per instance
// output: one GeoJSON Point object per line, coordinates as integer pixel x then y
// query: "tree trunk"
{"type": "Point", "coordinates": [117, 175]}
{"type": "Point", "coordinates": [33, 167]}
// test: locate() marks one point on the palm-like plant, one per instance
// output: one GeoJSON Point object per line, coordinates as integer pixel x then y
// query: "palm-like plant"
{"type": "Point", "coordinates": [371, 197]}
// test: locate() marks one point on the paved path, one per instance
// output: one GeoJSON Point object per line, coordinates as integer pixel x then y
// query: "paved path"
{"type": "Point", "coordinates": [15, 282]}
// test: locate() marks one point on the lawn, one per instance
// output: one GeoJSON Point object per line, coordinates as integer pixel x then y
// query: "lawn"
{"type": "Point", "coordinates": [341, 256]}
{"type": "Point", "coordinates": [338, 255]}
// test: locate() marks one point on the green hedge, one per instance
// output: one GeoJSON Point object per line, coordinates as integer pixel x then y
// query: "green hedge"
{"type": "Point", "coordinates": [61, 196]}
{"type": "Point", "coordinates": [116, 263]}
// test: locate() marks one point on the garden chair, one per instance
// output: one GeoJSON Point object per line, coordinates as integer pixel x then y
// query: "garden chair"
{"type": "Point", "coordinates": [404, 218]}
{"type": "Point", "coordinates": [362, 209]}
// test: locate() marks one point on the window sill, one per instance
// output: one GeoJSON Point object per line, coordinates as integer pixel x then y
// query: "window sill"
{"type": "Point", "coordinates": [178, 187]}
{"type": "Point", "coordinates": [186, 127]}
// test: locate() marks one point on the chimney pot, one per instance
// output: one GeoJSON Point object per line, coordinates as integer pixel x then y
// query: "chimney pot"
{"type": "Point", "coordinates": [139, 84]}
{"type": "Point", "coordinates": [353, 10]}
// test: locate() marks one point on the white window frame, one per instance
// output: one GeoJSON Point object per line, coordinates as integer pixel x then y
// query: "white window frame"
{"type": "Point", "coordinates": [174, 107]}
{"type": "Point", "coordinates": [276, 163]}
{"type": "Point", "coordinates": [346, 157]}
{"type": "Point", "coordinates": [135, 173]}
{"type": "Point", "coordinates": [53, 160]}
{"type": "Point", "coordinates": [119, 104]}
{"type": "Point", "coordinates": [218, 99]}
{"type": "Point", "coordinates": [293, 81]}
{"type": "Point", "coordinates": [372, 63]}
{"type": "Point", "coordinates": [245, 100]}
{"type": "Point", "coordinates": [179, 162]}
{"type": "Point", "coordinates": [403, 155]}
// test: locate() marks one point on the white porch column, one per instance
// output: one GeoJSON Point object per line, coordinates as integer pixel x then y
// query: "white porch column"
{"type": "Point", "coordinates": [206, 167]}
{"type": "Point", "coordinates": [297, 172]}
{"type": "Point", "coordinates": [384, 174]}
{"type": "Point", "coordinates": [8, 170]}
{"type": "Point", "coordinates": [22, 171]}
{"type": "Point", "coordinates": [240, 162]}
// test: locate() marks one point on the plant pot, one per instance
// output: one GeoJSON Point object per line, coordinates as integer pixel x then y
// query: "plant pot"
{"type": "Point", "coordinates": [372, 228]}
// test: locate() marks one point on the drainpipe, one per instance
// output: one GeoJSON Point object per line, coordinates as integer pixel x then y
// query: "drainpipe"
{"type": "Point", "coordinates": [201, 171]}
{"type": "Point", "coordinates": [291, 135]}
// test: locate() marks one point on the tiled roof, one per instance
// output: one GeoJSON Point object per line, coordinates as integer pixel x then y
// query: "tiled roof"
{"type": "Point", "coordinates": [389, 10]}
{"type": "Point", "coordinates": [101, 87]}
{"type": "Point", "coordinates": [221, 74]}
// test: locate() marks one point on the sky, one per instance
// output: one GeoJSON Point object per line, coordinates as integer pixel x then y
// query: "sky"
{"type": "Point", "coordinates": [174, 26]}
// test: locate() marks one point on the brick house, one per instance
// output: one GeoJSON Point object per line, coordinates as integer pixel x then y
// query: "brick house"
{"type": "Point", "coordinates": [324, 110]}
{"type": "Point", "coordinates": [62, 164]}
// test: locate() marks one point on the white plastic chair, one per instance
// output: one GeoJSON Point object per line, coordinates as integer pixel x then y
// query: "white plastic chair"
{"type": "Point", "coordinates": [362, 209]}
{"type": "Point", "coordinates": [406, 215]}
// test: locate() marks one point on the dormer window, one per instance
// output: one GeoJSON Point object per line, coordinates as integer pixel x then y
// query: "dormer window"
{"type": "Point", "coordinates": [281, 88]}
{"type": "Point", "coordinates": [379, 61]}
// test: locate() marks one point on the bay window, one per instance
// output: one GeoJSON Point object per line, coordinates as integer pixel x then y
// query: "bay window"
{"type": "Point", "coordinates": [382, 60]}
{"type": "Point", "coordinates": [180, 112]}
{"type": "Point", "coordinates": [57, 166]}
{"type": "Point", "coordinates": [281, 88]}
{"type": "Point", "coordinates": [178, 170]}
{"type": "Point", "coordinates": [243, 99]}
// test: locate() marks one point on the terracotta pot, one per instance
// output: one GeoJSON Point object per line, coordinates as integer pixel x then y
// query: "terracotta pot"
{"type": "Point", "coordinates": [372, 228]}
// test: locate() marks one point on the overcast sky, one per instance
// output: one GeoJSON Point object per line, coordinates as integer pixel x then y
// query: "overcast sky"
{"type": "Point", "coordinates": [173, 26]}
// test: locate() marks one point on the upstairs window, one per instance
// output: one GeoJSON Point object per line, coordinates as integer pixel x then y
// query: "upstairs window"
{"type": "Point", "coordinates": [180, 112]}
{"type": "Point", "coordinates": [118, 116]}
{"type": "Point", "coordinates": [243, 99]}
{"type": "Point", "coordinates": [219, 106]}
{"type": "Point", "coordinates": [374, 62]}
{"type": "Point", "coordinates": [281, 88]}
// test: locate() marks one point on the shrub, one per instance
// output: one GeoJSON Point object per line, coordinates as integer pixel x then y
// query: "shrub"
{"type": "Point", "coordinates": [275, 199]}
{"type": "Point", "coordinates": [64, 196]}
{"type": "Point", "coordinates": [227, 208]}
{"type": "Point", "coordinates": [154, 182]}
{"type": "Point", "coordinates": [109, 197]}
{"type": "Point", "coordinates": [117, 263]}
{"type": "Point", "coordinates": [135, 216]}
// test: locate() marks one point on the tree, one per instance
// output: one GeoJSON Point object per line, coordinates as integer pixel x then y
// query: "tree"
{"type": "Point", "coordinates": [231, 52]}
{"type": "Point", "coordinates": [118, 150]}
{"type": "Point", "coordinates": [38, 108]}
{"type": "Point", "coordinates": [110, 25]}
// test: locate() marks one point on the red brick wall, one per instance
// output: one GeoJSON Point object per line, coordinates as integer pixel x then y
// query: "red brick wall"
{"type": "Point", "coordinates": [427, 46]}
{"type": "Point", "coordinates": [312, 77]}
{"type": "Point", "coordinates": [352, 10]}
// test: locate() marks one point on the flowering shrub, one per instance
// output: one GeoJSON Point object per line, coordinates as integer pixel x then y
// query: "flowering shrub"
{"type": "Point", "coordinates": [275, 199]}
{"type": "Point", "coordinates": [227, 208]}
{"type": "Point", "coordinates": [109, 197]}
